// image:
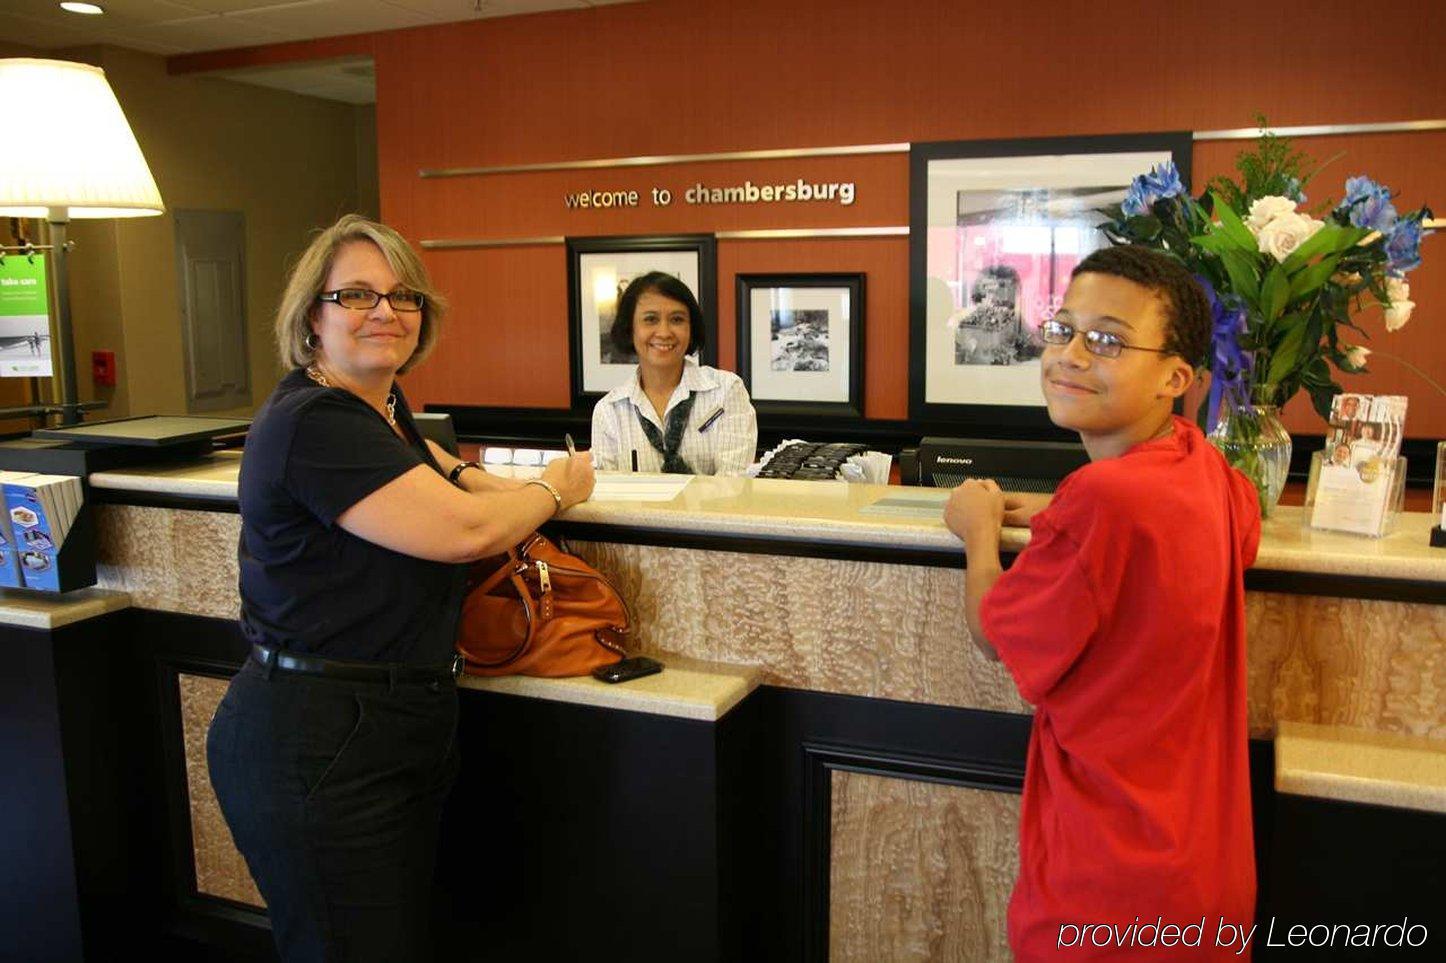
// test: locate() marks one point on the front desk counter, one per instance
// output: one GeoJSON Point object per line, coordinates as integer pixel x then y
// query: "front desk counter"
{"type": "Point", "coordinates": [855, 795]}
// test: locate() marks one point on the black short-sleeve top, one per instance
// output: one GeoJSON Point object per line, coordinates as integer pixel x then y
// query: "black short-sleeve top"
{"type": "Point", "coordinates": [309, 586]}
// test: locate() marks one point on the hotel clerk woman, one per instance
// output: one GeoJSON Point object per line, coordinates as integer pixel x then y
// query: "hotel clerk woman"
{"type": "Point", "coordinates": [674, 415]}
{"type": "Point", "coordinates": [334, 747]}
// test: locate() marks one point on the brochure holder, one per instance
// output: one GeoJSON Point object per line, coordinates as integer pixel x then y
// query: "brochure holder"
{"type": "Point", "coordinates": [75, 561]}
{"type": "Point", "coordinates": [1438, 499]}
{"type": "Point", "coordinates": [1394, 493]}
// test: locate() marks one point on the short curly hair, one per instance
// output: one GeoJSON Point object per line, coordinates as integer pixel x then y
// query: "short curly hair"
{"type": "Point", "coordinates": [1187, 313]}
{"type": "Point", "coordinates": [669, 287]}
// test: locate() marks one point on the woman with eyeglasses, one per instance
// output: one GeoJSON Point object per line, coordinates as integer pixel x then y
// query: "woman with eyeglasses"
{"type": "Point", "coordinates": [334, 747]}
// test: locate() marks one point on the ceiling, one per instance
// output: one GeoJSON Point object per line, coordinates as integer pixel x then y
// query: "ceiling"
{"type": "Point", "coordinates": [169, 27]}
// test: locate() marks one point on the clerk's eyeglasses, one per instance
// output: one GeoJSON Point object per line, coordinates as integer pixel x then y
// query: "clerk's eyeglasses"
{"type": "Point", "coordinates": [1103, 344]}
{"type": "Point", "coordinates": [364, 299]}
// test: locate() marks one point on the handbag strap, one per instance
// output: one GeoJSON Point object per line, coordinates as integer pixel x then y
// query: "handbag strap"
{"type": "Point", "coordinates": [512, 568]}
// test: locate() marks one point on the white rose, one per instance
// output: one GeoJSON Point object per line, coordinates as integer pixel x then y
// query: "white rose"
{"type": "Point", "coordinates": [1399, 313]}
{"type": "Point", "coordinates": [1400, 306]}
{"type": "Point", "coordinates": [1286, 233]}
{"type": "Point", "coordinates": [1356, 356]}
{"type": "Point", "coordinates": [1267, 209]}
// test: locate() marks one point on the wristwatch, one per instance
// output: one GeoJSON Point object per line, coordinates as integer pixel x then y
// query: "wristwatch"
{"type": "Point", "coordinates": [458, 468]}
{"type": "Point", "coordinates": [551, 490]}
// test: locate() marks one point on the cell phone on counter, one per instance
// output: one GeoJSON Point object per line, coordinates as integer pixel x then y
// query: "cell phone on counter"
{"type": "Point", "coordinates": [634, 668]}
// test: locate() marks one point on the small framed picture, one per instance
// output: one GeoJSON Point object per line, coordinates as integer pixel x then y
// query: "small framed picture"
{"type": "Point", "coordinates": [995, 228]}
{"type": "Point", "coordinates": [599, 269]}
{"type": "Point", "coordinates": [801, 342]}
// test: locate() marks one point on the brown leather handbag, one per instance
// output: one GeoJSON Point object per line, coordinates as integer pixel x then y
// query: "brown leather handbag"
{"type": "Point", "coordinates": [540, 611]}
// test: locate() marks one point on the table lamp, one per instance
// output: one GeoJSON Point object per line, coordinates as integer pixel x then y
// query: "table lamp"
{"type": "Point", "coordinates": [68, 152]}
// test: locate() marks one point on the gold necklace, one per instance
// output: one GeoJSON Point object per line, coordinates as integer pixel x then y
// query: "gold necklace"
{"type": "Point", "coordinates": [314, 373]}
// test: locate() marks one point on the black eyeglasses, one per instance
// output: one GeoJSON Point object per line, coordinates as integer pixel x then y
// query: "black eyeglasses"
{"type": "Point", "coordinates": [364, 299]}
{"type": "Point", "coordinates": [1103, 344]}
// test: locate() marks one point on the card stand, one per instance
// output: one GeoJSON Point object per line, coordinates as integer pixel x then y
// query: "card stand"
{"type": "Point", "coordinates": [75, 562]}
{"type": "Point", "coordinates": [1395, 504]}
{"type": "Point", "coordinates": [1438, 499]}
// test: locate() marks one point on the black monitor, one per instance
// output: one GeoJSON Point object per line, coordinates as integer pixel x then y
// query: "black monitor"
{"type": "Point", "coordinates": [438, 428]}
{"type": "Point", "coordinates": [1021, 466]}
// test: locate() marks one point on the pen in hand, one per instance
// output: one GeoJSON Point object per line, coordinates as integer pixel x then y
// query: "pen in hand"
{"type": "Point", "coordinates": [571, 448]}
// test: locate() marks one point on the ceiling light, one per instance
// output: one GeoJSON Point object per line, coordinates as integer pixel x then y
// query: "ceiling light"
{"type": "Point", "coordinates": [93, 9]}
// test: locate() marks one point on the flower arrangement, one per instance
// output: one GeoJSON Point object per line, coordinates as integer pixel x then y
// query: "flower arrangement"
{"type": "Point", "coordinates": [1284, 282]}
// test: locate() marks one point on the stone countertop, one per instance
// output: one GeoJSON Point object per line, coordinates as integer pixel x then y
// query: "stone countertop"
{"type": "Point", "coordinates": [38, 610]}
{"type": "Point", "coordinates": [1357, 765]}
{"type": "Point", "coordinates": [830, 512]}
{"type": "Point", "coordinates": [685, 689]}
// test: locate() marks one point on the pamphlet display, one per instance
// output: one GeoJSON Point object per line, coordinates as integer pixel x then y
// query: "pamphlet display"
{"type": "Point", "coordinates": [40, 511]}
{"type": "Point", "coordinates": [1361, 471]}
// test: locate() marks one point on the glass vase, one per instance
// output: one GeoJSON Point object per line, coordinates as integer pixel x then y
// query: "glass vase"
{"type": "Point", "coordinates": [1252, 439]}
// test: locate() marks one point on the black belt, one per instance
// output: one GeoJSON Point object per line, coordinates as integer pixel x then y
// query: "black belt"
{"type": "Point", "coordinates": [388, 672]}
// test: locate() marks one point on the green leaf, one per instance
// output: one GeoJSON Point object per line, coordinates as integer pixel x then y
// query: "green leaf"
{"type": "Point", "coordinates": [1274, 333]}
{"type": "Point", "coordinates": [1329, 239]}
{"type": "Point", "coordinates": [1312, 277]}
{"type": "Point", "coordinates": [1145, 226]}
{"type": "Point", "coordinates": [1321, 397]}
{"type": "Point", "coordinates": [1215, 243]}
{"type": "Point", "coordinates": [1234, 228]}
{"type": "Point", "coordinates": [1286, 356]}
{"type": "Point", "coordinates": [1242, 270]}
{"type": "Point", "coordinates": [1274, 293]}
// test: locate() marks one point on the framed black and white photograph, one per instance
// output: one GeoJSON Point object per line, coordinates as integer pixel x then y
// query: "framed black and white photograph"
{"type": "Point", "coordinates": [995, 228]}
{"type": "Point", "coordinates": [801, 342]}
{"type": "Point", "coordinates": [599, 269]}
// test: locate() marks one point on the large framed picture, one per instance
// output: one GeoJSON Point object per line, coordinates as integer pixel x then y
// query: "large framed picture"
{"type": "Point", "coordinates": [801, 342]}
{"type": "Point", "coordinates": [598, 271]}
{"type": "Point", "coordinates": [995, 228]}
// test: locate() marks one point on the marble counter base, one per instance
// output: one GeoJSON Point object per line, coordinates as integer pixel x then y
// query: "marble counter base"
{"type": "Point", "coordinates": [1351, 765]}
{"type": "Point", "coordinates": [871, 628]}
{"type": "Point", "coordinates": [37, 610]}
{"type": "Point", "coordinates": [172, 560]}
{"type": "Point", "coordinates": [685, 689]}
{"type": "Point", "coordinates": [919, 870]}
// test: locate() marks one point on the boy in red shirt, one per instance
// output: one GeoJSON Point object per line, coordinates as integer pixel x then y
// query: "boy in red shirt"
{"type": "Point", "coordinates": [1123, 622]}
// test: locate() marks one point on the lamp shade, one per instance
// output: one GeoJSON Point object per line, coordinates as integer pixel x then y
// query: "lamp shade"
{"type": "Point", "coordinates": [66, 144]}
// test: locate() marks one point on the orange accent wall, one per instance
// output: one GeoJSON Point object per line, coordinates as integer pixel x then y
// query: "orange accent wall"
{"type": "Point", "coordinates": [693, 76]}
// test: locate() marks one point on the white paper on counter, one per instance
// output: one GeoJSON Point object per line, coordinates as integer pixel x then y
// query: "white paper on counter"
{"type": "Point", "coordinates": [638, 487]}
{"type": "Point", "coordinates": [910, 503]}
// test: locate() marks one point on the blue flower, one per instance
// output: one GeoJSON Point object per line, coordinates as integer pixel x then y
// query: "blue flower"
{"type": "Point", "coordinates": [1230, 365]}
{"type": "Point", "coordinates": [1369, 204]}
{"type": "Point", "coordinates": [1403, 247]}
{"type": "Point", "coordinates": [1161, 182]}
{"type": "Point", "coordinates": [1293, 191]}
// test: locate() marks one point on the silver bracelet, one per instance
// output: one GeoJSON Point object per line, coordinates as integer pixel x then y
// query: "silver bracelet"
{"type": "Point", "coordinates": [551, 490]}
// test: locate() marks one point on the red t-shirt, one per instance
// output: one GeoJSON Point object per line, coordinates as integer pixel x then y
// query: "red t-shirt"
{"type": "Point", "coordinates": [1123, 622]}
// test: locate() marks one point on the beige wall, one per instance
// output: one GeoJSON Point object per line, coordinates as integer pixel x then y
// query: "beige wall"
{"type": "Point", "coordinates": [368, 188]}
{"type": "Point", "coordinates": [288, 163]}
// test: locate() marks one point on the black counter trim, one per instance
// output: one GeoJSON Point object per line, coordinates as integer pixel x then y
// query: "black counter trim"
{"type": "Point", "coordinates": [1346, 586]}
{"type": "Point", "coordinates": [191, 503]}
{"type": "Point", "coordinates": [756, 544]}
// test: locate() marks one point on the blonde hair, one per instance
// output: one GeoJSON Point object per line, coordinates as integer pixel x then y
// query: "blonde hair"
{"type": "Point", "coordinates": [308, 278]}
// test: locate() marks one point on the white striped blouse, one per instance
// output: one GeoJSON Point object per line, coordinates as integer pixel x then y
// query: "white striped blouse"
{"type": "Point", "coordinates": [726, 447]}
